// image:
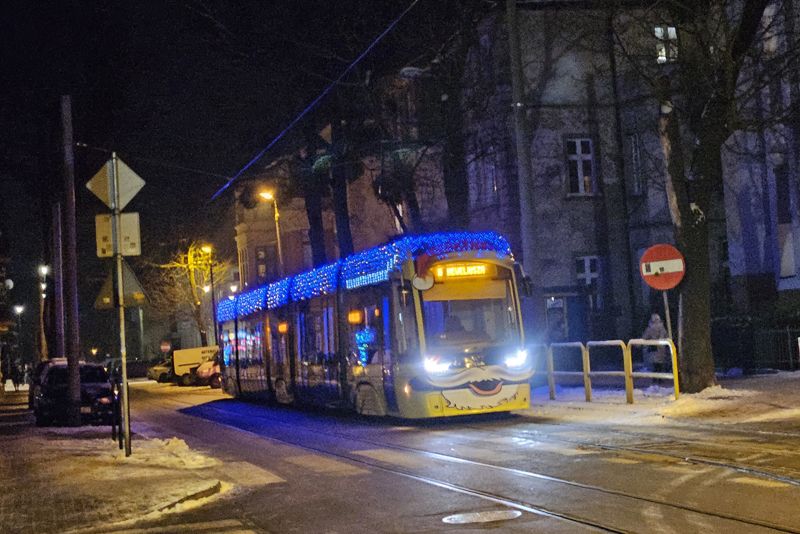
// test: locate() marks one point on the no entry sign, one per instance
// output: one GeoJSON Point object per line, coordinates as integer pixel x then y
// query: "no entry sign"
{"type": "Point", "coordinates": [662, 267]}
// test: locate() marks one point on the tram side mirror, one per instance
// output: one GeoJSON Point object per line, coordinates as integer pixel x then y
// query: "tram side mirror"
{"type": "Point", "coordinates": [524, 282]}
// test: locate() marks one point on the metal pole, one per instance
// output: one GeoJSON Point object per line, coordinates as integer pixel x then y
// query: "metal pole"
{"type": "Point", "coordinates": [213, 304]}
{"type": "Point", "coordinates": [43, 352]}
{"type": "Point", "coordinates": [116, 227]}
{"type": "Point", "coordinates": [278, 236]}
{"type": "Point", "coordinates": [666, 314]}
{"type": "Point", "coordinates": [522, 136]}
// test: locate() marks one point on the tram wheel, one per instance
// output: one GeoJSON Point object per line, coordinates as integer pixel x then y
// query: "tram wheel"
{"type": "Point", "coordinates": [368, 402]}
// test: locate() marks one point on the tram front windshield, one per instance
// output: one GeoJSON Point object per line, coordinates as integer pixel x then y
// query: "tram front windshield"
{"type": "Point", "coordinates": [476, 314]}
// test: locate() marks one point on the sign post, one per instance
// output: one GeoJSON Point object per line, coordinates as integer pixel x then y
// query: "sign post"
{"type": "Point", "coordinates": [116, 184]}
{"type": "Point", "coordinates": [662, 267]}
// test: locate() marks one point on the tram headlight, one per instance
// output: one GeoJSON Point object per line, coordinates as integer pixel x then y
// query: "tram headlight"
{"type": "Point", "coordinates": [434, 365]}
{"type": "Point", "coordinates": [520, 359]}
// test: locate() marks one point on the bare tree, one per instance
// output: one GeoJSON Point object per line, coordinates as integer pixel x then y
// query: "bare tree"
{"type": "Point", "coordinates": [707, 65]}
{"type": "Point", "coordinates": [177, 288]}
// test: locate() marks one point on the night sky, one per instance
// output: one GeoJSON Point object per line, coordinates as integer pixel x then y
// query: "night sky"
{"type": "Point", "coordinates": [186, 92]}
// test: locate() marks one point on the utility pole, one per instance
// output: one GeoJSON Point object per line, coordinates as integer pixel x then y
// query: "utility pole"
{"type": "Point", "coordinates": [71, 268]}
{"type": "Point", "coordinates": [58, 282]}
{"type": "Point", "coordinates": [523, 141]}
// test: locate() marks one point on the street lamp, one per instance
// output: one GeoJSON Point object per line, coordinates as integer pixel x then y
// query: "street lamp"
{"type": "Point", "coordinates": [43, 272]}
{"type": "Point", "coordinates": [18, 309]}
{"type": "Point", "coordinates": [270, 196]}
{"type": "Point", "coordinates": [208, 250]}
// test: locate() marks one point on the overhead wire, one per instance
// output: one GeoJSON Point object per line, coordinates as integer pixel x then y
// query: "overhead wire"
{"type": "Point", "coordinates": [314, 102]}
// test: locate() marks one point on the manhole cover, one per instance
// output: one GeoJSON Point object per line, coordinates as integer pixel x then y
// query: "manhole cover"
{"type": "Point", "coordinates": [481, 517]}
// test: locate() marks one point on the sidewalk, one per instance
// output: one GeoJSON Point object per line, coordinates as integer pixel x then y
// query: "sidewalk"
{"type": "Point", "coordinates": [768, 401]}
{"type": "Point", "coordinates": [69, 479]}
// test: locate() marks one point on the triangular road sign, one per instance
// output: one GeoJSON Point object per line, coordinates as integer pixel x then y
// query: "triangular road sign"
{"type": "Point", "coordinates": [129, 184]}
{"type": "Point", "coordinates": [134, 293]}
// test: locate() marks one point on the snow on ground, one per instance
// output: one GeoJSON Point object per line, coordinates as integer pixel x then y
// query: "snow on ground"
{"type": "Point", "coordinates": [768, 398]}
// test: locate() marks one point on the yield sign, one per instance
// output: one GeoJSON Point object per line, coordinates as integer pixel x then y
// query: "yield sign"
{"type": "Point", "coordinates": [662, 267]}
{"type": "Point", "coordinates": [134, 293]}
{"type": "Point", "coordinates": [129, 184]}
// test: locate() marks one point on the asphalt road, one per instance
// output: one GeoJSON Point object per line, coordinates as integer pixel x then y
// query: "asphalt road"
{"type": "Point", "coordinates": [316, 471]}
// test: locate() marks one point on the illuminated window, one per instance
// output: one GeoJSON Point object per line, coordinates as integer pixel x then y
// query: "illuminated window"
{"type": "Point", "coordinates": [667, 45]}
{"type": "Point", "coordinates": [580, 166]}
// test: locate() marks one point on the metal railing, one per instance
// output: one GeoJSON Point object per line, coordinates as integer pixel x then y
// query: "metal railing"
{"type": "Point", "coordinates": [627, 363]}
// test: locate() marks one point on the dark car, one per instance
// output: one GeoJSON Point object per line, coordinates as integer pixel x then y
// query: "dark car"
{"type": "Point", "coordinates": [37, 374]}
{"type": "Point", "coordinates": [97, 397]}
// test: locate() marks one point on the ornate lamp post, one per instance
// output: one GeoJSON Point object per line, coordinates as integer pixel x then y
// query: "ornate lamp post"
{"type": "Point", "coordinates": [270, 196]}
{"type": "Point", "coordinates": [43, 272]}
{"type": "Point", "coordinates": [18, 309]}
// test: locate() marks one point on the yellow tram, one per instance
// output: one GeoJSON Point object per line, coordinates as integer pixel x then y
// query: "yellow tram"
{"type": "Point", "coordinates": [423, 326]}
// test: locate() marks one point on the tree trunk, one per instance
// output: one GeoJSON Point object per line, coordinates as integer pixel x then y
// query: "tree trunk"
{"type": "Point", "coordinates": [339, 177]}
{"type": "Point", "coordinates": [696, 364]}
{"type": "Point", "coordinates": [316, 231]}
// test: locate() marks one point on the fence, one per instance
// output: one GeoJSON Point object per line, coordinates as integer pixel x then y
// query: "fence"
{"type": "Point", "coordinates": [627, 364]}
{"type": "Point", "coordinates": [749, 347]}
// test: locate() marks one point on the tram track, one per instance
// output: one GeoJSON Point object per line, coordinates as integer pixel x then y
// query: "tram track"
{"type": "Point", "coordinates": [497, 498]}
{"type": "Point", "coordinates": [652, 450]}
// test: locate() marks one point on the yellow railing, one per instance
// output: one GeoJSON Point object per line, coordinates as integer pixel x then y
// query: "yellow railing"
{"type": "Point", "coordinates": [627, 364]}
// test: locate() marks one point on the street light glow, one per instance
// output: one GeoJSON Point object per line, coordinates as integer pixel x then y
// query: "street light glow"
{"type": "Point", "coordinates": [18, 309]}
{"type": "Point", "coordinates": [43, 270]}
{"type": "Point", "coordinates": [43, 285]}
{"type": "Point", "coordinates": [267, 195]}
{"type": "Point", "coordinates": [206, 288]}
{"type": "Point", "coordinates": [234, 287]}
{"type": "Point", "coordinates": [208, 249]}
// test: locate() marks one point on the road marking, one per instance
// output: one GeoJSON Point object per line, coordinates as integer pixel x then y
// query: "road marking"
{"type": "Point", "coordinates": [247, 474]}
{"type": "Point", "coordinates": [760, 482]}
{"type": "Point", "coordinates": [324, 465]}
{"type": "Point", "coordinates": [394, 457]}
{"type": "Point", "coordinates": [224, 525]}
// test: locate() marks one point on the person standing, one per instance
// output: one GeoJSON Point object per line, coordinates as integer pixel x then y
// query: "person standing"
{"type": "Point", "coordinates": [655, 357]}
{"type": "Point", "coordinates": [16, 376]}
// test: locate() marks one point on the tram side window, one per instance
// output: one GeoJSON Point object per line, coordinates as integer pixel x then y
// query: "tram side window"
{"type": "Point", "coordinates": [367, 328]}
{"type": "Point", "coordinates": [316, 334]}
{"type": "Point", "coordinates": [227, 347]}
{"type": "Point", "coordinates": [406, 320]}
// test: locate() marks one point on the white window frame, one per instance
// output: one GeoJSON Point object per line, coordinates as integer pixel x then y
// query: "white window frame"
{"type": "Point", "coordinates": [666, 44]}
{"type": "Point", "coordinates": [591, 279]}
{"type": "Point", "coordinates": [575, 161]}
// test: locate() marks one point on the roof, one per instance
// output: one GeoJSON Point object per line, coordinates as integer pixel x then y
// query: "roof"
{"type": "Point", "coordinates": [364, 268]}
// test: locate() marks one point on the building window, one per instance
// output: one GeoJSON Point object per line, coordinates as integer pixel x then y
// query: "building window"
{"type": "Point", "coordinates": [637, 172]}
{"type": "Point", "coordinates": [667, 45]}
{"type": "Point", "coordinates": [587, 271]}
{"type": "Point", "coordinates": [580, 166]}
{"type": "Point", "coordinates": [261, 264]}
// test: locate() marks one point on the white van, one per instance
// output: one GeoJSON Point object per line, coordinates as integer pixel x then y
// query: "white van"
{"type": "Point", "coordinates": [186, 361]}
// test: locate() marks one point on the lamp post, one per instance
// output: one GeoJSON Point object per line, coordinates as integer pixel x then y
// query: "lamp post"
{"type": "Point", "coordinates": [269, 195]}
{"type": "Point", "coordinates": [208, 250]}
{"type": "Point", "coordinates": [18, 309]}
{"type": "Point", "coordinates": [43, 272]}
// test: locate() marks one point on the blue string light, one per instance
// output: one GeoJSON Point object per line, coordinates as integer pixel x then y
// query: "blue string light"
{"type": "Point", "coordinates": [226, 310]}
{"type": "Point", "coordinates": [368, 267]}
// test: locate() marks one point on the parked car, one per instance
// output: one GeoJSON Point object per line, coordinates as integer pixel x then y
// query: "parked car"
{"type": "Point", "coordinates": [161, 372]}
{"type": "Point", "coordinates": [97, 397]}
{"type": "Point", "coordinates": [36, 377]}
{"type": "Point", "coordinates": [186, 362]}
{"type": "Point", "coordinates": [209, 373]}
{"type": "Point", "coordinates": [137, 368]}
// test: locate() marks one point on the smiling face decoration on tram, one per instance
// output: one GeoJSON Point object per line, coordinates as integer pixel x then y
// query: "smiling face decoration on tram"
{"type": "Point", "coordinates": [474, 388]}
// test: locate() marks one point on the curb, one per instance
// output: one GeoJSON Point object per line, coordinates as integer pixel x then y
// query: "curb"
{"type": "Point", "coordinates": [196, 496]}
{"type": "Point", "coordinates": [213, 489]}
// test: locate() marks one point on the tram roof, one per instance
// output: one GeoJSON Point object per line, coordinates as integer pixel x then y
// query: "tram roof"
{"type": "Point", "coordinates": [364, 268]}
